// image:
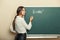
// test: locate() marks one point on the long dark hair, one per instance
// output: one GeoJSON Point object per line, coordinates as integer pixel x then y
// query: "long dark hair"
{"type": "Point", "coordinates": [19, 9]}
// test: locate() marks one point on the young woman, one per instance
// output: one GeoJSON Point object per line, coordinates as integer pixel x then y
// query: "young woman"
{"type": "Point", "coordinates": [20, 25]}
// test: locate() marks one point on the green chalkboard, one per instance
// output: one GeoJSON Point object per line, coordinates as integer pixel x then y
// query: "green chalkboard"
{"type": "Point", "coordinates": [46, 20]}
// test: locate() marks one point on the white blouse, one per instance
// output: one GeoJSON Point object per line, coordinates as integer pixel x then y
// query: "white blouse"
{"type": "Point", "coordinates": [21, 25]}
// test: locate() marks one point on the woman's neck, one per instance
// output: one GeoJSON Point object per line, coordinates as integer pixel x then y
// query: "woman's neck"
{"type": "Point", "coordinates": [21, 16]}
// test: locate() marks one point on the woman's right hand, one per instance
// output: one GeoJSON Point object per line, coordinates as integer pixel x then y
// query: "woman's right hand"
{"type": "Point", "coordinates": [31, 18]}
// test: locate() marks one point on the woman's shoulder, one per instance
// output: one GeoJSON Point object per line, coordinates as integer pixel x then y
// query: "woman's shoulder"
{"type": "Point", "coordinates": [18, 18]}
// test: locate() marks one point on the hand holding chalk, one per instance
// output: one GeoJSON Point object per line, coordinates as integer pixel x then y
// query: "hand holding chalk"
{"type": "Point", "coordinates": [31, 18]}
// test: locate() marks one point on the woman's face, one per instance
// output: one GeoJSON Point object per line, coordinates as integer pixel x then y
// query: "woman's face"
{"type": "Point", "coordinates": [23, 11]}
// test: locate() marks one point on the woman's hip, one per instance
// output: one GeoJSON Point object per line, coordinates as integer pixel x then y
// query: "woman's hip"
{"type": "Point", "coordinates": [20, 36]}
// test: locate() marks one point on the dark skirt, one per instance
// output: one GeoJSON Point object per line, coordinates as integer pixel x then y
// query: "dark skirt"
{"type": "Point", "coordinates": [21, 36]}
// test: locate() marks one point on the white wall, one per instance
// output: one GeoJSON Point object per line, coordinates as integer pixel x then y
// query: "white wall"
{"type": "Point", "coordinates": [8, 11]}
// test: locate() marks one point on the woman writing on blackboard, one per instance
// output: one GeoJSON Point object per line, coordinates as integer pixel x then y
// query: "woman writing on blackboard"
{"type": "Point", "coordinates": [20, 24]}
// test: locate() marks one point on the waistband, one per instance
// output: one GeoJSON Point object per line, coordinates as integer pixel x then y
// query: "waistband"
{"type": "Point", "coordinates": [21, 33]}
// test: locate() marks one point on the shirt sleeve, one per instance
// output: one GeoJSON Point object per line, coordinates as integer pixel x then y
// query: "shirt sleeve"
{"type": "Point", "coordinates": [27, 26]}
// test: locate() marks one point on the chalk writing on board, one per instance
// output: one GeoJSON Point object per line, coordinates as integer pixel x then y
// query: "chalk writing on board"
{"type": "Point", "coordinates": [37, 11]}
